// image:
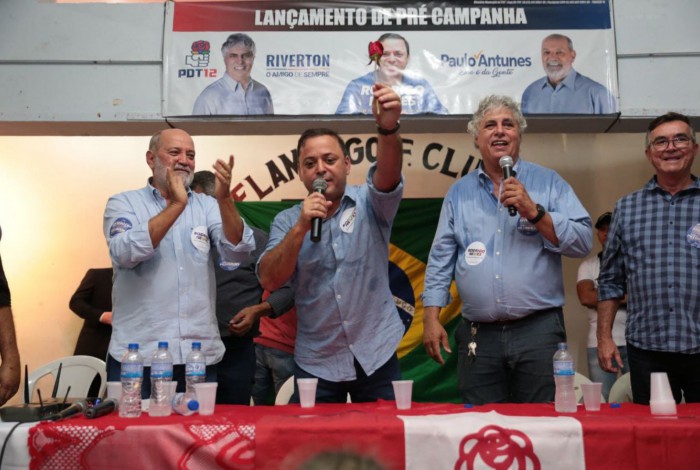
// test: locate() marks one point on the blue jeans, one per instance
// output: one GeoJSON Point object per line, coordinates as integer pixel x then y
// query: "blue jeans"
{"type": "Point", "coordinates": [363, 389]}
{"type": "Point", "coordinates": [513, 362]}
{"type": "Point", "coordinates": [235, 372]}
{"type": "Point", "coordinates": [683, 372]}
{"type": "Point", "coordinates": [596, 374]}
{"type": "Point", "coordinates": [272, 368]}
{"type": "Point", "coordinates": [114, 368]}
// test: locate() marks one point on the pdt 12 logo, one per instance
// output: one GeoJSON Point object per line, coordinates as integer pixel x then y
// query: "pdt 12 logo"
{"type": "Point", "coordinates": [198, 60]}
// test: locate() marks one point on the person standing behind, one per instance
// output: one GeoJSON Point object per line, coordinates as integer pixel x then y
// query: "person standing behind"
{"type": "Point", "coordinates": [417, 96]}
{"type": "Point", "coordinates": [236, 92]}
{"type": "Point", "coordinates": [92, 302]}
{"type": "Point", "coordinates": [653, 255]}
{"type": "Point", "coordinates": [563, 90]}
{"type": "Point", "coordinates": [348, 327]}
{"type": "Point", "coordinates": [508, 269]}
{"type": "Point", "coordinates": [239, 308]}
{"type": "Point", "coordinates": [10, 369]}
{"type": "Point", "coordinates": [587, 290]}
{"type": "Point", "coordinates": [274, 355]}
{"type": "Point", "coordinates": [160, 239]}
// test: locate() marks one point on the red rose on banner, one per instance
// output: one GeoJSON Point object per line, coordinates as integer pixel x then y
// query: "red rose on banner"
{"type": "Point", "coordinates": [376, 51]}
{"type": "Point", "coordinates": [497, 448]}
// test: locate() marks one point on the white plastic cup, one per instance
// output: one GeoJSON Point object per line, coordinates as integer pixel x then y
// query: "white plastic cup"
{"type": "Point", "coordinates": [114, 390]}
{"type": "Point", "coordinates": [307, 392]}
{"type": "Point", "coordinates": [661, 398]}
{"type": "Point", "coordinates": [403, 389]}
{"type": "Point", "coordinates": [592, 395]}
{"type": "Point", "coordinates": [206, 396]}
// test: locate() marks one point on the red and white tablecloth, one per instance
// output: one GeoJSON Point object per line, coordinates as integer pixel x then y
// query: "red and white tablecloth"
{"type": "Point", "coordinates": [431, 436]}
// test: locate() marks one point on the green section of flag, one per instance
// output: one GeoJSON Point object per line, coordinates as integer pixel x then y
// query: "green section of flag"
{"type": "Point", "coordinates": [413, 232]}
{"type": "Point", "coordinates": [431, 381]}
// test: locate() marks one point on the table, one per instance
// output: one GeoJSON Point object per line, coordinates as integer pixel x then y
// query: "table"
{"type": "Point", "coordinates": [283, 436]}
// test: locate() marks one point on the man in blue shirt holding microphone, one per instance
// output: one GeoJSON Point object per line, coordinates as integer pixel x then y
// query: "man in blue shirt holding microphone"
{"type": "Point", "coordinates": [507, 267]}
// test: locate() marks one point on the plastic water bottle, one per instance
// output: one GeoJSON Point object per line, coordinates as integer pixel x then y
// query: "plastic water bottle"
{"type": "Point", "coordinates": [184, 404]}
{"type": "Point", "coordinates": [564, 396]}
{"type": "Point", "coordinates": [195, 368]}
{"type": "Point", "coordinates": [131, 377]}
{"type": "Point", "coordinates": [161, 376]}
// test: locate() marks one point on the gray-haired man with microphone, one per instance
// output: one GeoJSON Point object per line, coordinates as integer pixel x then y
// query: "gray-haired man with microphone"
{"type": "Point", "coordinates": [348, 327]}
{"type": "Point", "coordinates": [507, 267]}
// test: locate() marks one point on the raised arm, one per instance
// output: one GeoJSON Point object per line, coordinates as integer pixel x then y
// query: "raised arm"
{"type": "Point", "coordinates": [159, 225]}
{"type": "Point", "coordinates": [389, 146]}
{"type": "Point", "coordinates": [231, 221]}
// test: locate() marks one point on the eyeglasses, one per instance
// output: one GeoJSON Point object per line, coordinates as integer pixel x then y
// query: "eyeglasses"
{"type": "Point", "coordinates": [679, 142]}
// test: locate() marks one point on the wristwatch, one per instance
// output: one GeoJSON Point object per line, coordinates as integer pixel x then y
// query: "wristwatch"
{"type": "Point", "coordinates": [383, 131]}
{"type": "Point", "coordinates": [540, 213]}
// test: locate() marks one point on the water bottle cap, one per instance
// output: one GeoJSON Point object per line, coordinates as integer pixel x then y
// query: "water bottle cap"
{"type": "Point", "coordinates": [133, 345]}
{"type": "Point", "coordinates": [561, 346]}
{"type": "Point", "coordinates": [196, 345]}
{"type": "Point", "coordinates": [162, 345]}
{"type": "Point", "coordinates": [193, 405]}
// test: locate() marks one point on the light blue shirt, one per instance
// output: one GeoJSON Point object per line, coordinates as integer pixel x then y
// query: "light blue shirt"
{"type": "Point", "coordinates": [227, 96]}
{"type": "Point", "coordinates": [345, 309]}
{"type": "Point", "coordinates": [166, 293]}
{"type": "Point", "coordinates": [417, 96]}
{"type": "Point", "coordinates": [576, 94]}
{"type": "Point", "coordinates": [503, 267]}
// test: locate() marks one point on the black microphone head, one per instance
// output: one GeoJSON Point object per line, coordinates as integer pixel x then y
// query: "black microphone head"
{"type": "Point", "coordinates": [506, 161]}
{"type": "Point", "coordinates": [82, 404]}
{"type": "Point", "coordinates": [77, 407]}
{"type": "Point", "coordinates": [319, 185]}
{"type": "Point", "coordinates": [106, 406]}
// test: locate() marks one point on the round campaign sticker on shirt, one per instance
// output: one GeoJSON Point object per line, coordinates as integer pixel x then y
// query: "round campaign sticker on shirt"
{"type": "Point", "coordinates": [200, 238]}
{"type": "Point", "coordinates": [120, 225]}
{"type": "Point", "coordinates": [475, 253]}
{"type": "Point", "coordinates": [347, 219]}
{"type": "Point", "coordinates": [694, 236]}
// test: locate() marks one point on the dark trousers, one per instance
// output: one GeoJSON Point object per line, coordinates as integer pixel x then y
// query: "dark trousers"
{"type": "Point", "coordinates": [363, 389]}
{"type": "Point", "coordinates": [513, 362]}
{"type": "Point", "coordinates": [683, 372]}
{"type": "Point", "coordinates": [235, 372]}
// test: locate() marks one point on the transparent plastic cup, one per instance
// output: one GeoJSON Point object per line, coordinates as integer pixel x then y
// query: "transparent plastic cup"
{"type": "Point", "coordinates": [206, 396]}
{"type": "Point", "coordinates": [592, 395]}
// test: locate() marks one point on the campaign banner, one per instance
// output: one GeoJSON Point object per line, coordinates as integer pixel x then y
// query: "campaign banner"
{"type": "Point", "coordinates": [311, 58]}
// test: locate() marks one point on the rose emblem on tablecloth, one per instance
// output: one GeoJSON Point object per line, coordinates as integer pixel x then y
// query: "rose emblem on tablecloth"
{"type": "Point", "coordinates": [498, 448]}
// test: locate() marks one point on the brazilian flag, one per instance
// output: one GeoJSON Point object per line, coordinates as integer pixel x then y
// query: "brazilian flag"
{"type": "Point", "coordinates": [411, 238]}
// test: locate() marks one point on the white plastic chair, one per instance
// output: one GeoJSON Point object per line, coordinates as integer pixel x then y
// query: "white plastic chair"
{"type": "Point", "coordinates": [621, 391]}
{"type": "Point", "coordinates": [78, 372]}
{"type": "Point", "coordinates": [286, 392]}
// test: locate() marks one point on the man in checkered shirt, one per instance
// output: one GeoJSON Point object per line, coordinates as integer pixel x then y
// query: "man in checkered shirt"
{"type": "Point", "coordinates": [653, 254]}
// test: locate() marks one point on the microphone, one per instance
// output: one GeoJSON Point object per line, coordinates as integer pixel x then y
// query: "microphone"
{"type": "Point", "coordinates": [104, 408]}
{"type": "Point", "coordinates": [77, 407]}
{"type": "Point", "coordinates": [506, 163]}
{"type": "Point", "coordinates": [319, 186]}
